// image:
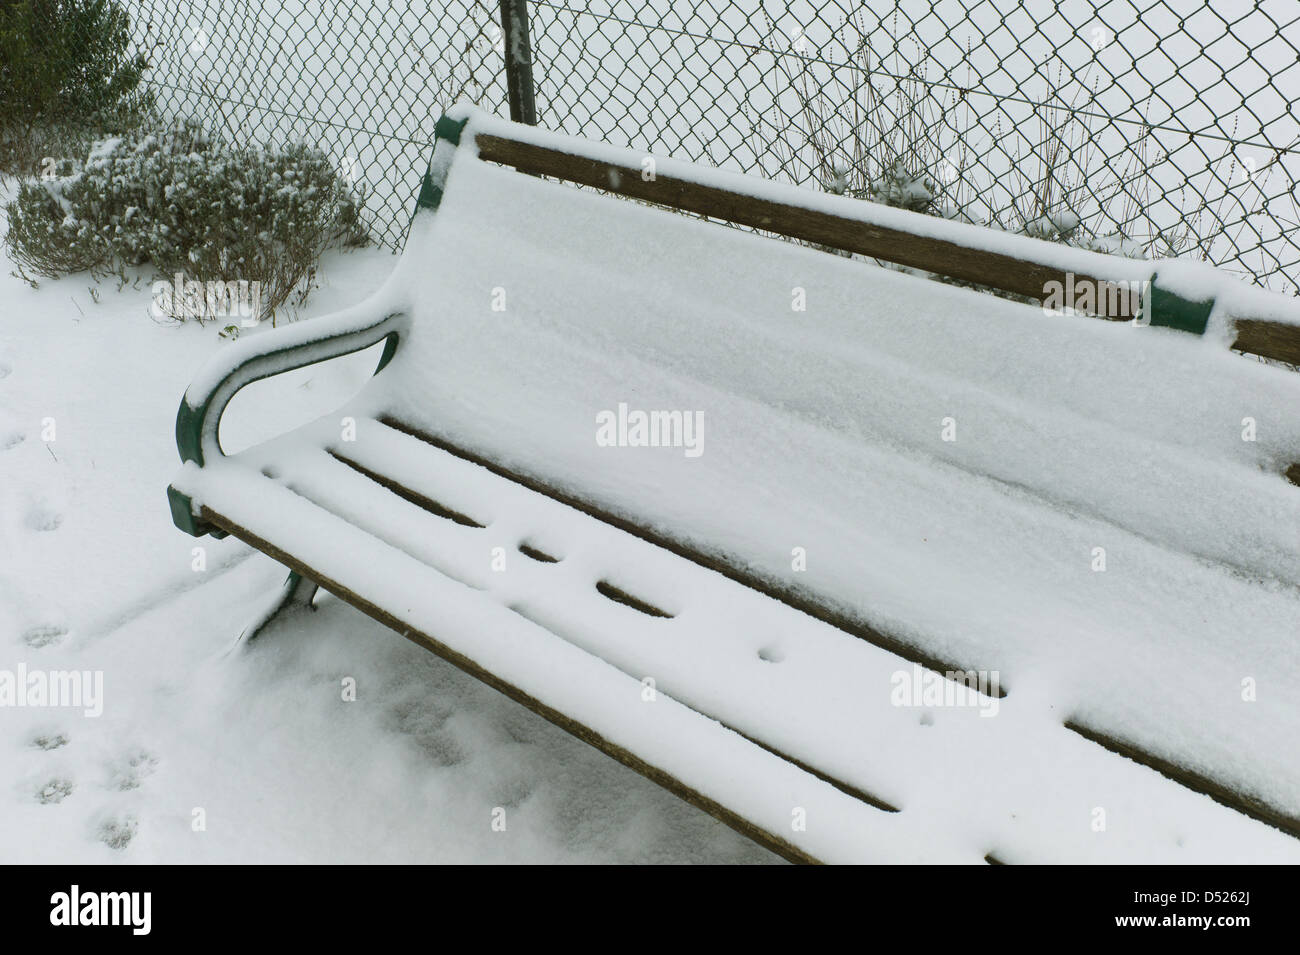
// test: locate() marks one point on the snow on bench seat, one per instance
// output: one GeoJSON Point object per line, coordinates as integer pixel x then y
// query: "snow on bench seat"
{"type": "Point", "coordinates": [731, 668]}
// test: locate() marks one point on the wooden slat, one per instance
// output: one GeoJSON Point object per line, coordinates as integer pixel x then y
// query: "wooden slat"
{"type": "Point", "coordinates": [982, 266]}
{"type": "Point", "coordinates": [795, 597]}
{"type": "Point", "coordinates": [771, 841]}
{"type": "Point", "coordinates": [1000, 271]}
{"type": "Point", "coordinates": [1192, 779]}
{"type": "Point", "coordinates": [1268, 339]}
{"type": "Point", "coordinates": [1243, 802]}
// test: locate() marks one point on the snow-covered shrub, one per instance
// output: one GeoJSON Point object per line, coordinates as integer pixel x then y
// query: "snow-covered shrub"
{"type": "Point", "coordinates": [858, 117]}
{"type": "Point", "coordinates": [65, 65]}
{"type": "Point", "coordinates": [901, 188]}
{"type": "Point", "coordinates": [185, 202]}
{"type": "Point", "coordinates": [1058, 226]}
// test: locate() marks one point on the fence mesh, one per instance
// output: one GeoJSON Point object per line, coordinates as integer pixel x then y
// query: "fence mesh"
{"type": "Point", "coordinates": [1144, 127]}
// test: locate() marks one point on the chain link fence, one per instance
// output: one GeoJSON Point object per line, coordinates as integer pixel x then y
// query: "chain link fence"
{"type": "Point", "coordinates": [1143, 127]}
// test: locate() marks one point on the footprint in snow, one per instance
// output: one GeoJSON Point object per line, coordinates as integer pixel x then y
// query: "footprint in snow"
{"type": "Point", "coordinates": [43, 519]}
{"type": "Point", "coordinates": [117, 833]}
{"type": "Point", "coordinates": [11, 440]}
{"type": "Point", "coordinates": [5, 368]}
{"type": "Point", "coordinates": [44, 636]}
{"type": "Point", "coordinates": [131, 769]}
{"type": "Point", "coordinates": [55, 791]}
{"type": "Point", "coordinates": [49, 741]}
{"type": "Point", "coordinates": [514, 793]}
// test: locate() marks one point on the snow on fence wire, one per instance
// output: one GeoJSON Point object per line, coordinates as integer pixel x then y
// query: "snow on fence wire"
{"type": "Point", "coordinates": [1148, 127]}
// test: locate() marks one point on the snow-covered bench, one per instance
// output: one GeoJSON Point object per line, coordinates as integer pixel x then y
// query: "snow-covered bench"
{"type": "Point", "coordinates": [753, 519]}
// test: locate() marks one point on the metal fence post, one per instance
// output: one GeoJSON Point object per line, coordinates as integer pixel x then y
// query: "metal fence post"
{"type": "Point", "coordinates": [519, 61]}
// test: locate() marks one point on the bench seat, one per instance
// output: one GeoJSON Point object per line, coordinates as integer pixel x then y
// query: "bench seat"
{"type": "Point", "coordinates": [878, 782]}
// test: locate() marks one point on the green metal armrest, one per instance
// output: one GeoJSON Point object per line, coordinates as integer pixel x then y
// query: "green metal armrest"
{"type": "Point", "coordinates": [198, 419]}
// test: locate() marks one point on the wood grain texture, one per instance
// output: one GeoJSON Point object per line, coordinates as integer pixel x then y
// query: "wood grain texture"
{"type": "Point", "coordinates": [1268, 339]}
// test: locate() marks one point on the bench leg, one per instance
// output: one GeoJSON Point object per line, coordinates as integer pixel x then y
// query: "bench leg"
{"type": "Point", "coordinates": [296, 595]}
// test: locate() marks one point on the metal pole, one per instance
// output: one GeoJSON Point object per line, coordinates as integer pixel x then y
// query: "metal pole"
{"type": "Point", "coordinates": [519, 61]}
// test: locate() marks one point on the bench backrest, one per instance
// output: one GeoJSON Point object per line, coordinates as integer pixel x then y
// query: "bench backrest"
{"type": "Point", "coordinates": [551, 323]}
{"type": "Point", "coordinates": [1254, 322]}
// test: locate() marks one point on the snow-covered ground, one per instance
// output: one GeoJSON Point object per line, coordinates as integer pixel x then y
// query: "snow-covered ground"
{"type": "Point", "coordinates": [205, 756]}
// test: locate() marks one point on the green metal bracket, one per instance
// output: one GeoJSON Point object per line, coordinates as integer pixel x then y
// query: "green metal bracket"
{"type": "Point", "coordinates": [448, 131]}
{"type": "Point", "coordinates": [430, 195]}
{"type": "Point", "coordinates": [1169, 310]}
{"type": "Point", "coordinates": [189, 430]}
{"type": "Point", "coordinates": [183, 516]}
{"type": "Point", "coordinates": [390, 349]}
{"type": "Point", "coordinates": [295, 595]}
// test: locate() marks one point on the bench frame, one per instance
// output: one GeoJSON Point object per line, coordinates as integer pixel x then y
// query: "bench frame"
{"type": "Point", "coordinates": [855, 227]}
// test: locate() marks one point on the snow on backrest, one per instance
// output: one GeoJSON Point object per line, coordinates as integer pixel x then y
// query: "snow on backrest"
{"type": "Point", "coordinates": [551, 321]}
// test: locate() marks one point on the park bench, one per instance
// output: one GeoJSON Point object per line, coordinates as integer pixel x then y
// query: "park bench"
{"type": "Point", "coordinates": [869, 566]}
